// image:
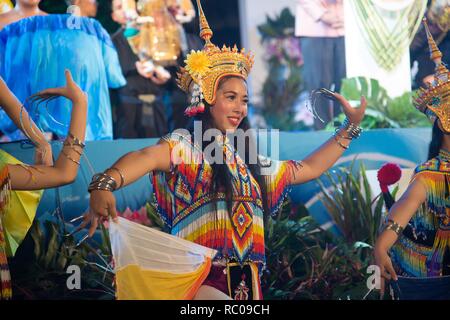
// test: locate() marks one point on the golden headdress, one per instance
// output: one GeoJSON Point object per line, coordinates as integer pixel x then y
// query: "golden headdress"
{"type": "Point", "coordinates": [204, 69]}
{"type": "Point", "coordinates": [434, 100]}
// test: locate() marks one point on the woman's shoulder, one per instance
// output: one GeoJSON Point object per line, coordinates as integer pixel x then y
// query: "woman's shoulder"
{"type": "Point", "coordinates": [178, 136]}
{"type": "Point", "coordinates": [184, 144]}
{"type": "Point", "coordinates": [432, 165]}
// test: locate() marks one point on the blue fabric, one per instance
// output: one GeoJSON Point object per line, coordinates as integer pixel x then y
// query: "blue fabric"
{"type": "Point", "coordinates": [34, 52]}
{"type": "Point", "coordinates": [437, 288]}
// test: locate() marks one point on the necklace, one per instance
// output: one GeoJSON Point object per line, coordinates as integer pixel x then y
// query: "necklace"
{"type": "Point", "coordinates": [444, 155]}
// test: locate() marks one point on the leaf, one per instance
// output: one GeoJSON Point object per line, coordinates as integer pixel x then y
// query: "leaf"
{"type": "Point", "coordinates": [52, 246]}
{"type": "Point", "coordinates": [38, 239]}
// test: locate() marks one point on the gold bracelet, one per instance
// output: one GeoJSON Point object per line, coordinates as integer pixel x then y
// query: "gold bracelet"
{"type": "Point", "coordinates": [336, 132]}
{"type": "Point", "coordinates": [122, 179]}
{"type": "Point", "coordinates": [339, 143]}
{"type": "Point", "coordinates": [68, 157]}
{"type": "Point", "coordinates": [72, 146]}
{"type": "Point", "coordinates": [394, 226]}
{"type": "Point", "coordinates": [28, 169]}
{"type": "Point", "coordinates": [76, 141]}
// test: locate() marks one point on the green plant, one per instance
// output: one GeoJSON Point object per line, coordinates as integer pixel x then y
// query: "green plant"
{"type": "Point", "coordinates": [281, 26]}
{"type": "Point", "coordinates": [39, 269]}
{"type": "Point", "coordinates": [382, 110]}
{"type": "Point", "coordinates": [307, 262]}
{"type": "Point", "coordinates": [350, 204]}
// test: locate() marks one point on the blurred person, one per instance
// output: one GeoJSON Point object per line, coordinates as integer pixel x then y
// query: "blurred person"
{"type": "Point", "coordinates": [21, 184]}
{"type": "Point", "coordinates": [29, 49]}
{"type": "Point", "coordinates": [140, 111]}
{"type": "Point", "coordinates": [22, 9]}
{"type": "Point", "coordinates": [320, 26]}
{"type": "Point", "coordinates": [438, 15]}
{"type": "Point", "coordinates": [88, 8]}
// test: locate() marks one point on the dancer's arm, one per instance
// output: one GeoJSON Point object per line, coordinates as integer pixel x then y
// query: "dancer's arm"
{"type": "Point", "coordinates": [132, 166]}
{"type": "Point", "coordinates": [400, 213]}
{"type": "Point", "coordinates": [326, 156]}
{"type": "Point", "coordinates": [13, 109]}
{"type": "Point", "coordinates": [65, 169]}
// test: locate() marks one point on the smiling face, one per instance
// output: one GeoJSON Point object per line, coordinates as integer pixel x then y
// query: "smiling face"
{"type": "Point", "coordinates": [231, 104]}
{"type": "Point", "coordinates": [118, 12]}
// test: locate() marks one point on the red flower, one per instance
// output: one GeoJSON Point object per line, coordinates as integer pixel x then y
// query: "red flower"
{"type": "Point", "coordinates": [388, 174]}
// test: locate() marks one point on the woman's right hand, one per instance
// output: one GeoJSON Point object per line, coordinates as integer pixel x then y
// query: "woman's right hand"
{"type": "Point", "coordinates": [387, 271]}
{"type": "Point", "coordinates": [71, 91]}
{"type": "Point", "coordinates": [102, 205]}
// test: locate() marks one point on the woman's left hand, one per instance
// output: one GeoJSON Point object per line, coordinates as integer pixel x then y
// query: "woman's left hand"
{"type": "Point", "coordinates": [354, 115]}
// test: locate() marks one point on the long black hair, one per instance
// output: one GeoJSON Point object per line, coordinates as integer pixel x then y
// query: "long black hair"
{"type": "Point", "coordinates": [436, 141]}
{"type": "Point", "coordinates": [221, 177]}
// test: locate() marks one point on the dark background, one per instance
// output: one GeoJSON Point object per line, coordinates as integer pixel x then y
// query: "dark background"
{"type": "Point", "coordinates": [223, 17]}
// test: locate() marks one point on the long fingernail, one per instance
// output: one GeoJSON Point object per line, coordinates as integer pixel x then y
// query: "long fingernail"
{"type": "Point", "coordinates": [76, 219]}
{"type": "Point", "coordinates": [82, 240]}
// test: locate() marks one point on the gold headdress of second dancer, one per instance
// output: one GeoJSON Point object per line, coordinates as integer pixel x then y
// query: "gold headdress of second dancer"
{"type": "Point", "coordinates": [434, 101]}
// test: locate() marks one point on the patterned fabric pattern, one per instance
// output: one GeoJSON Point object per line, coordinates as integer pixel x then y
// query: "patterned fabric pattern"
{"type": "Point", "coordinates": [5, 278]}
{"type": "Point", "coordinates": [192, 211]}
{"type": "Point", "coordinates": [426, 252]}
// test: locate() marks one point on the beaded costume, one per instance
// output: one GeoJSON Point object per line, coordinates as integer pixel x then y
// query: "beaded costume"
{"type": "Point", "coordinates": [424, 248]}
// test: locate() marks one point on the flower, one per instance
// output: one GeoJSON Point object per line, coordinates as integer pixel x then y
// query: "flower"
{"type": "Point", "coordinates": [388, 174]}
{"type": "Point", "coordinates": [140, 216]}
{"type": "Point", "coordinates": [197, 64]}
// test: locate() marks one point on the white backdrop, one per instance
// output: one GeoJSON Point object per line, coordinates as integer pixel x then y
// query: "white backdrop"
{"type": "Point", "coordinates": [252, 14]}
{"type": "Point", "coordinates": [359, 59]}
{"type": "Point", "coordinates": [361, 63]}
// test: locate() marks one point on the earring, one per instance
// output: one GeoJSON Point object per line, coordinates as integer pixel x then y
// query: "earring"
{"type": "Point", "coordinates": [196, 106]}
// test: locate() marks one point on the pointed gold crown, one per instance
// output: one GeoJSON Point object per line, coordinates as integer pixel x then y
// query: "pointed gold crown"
{"type": "Point", "coordinates": [434, 100]}
{"type": "Point", "coordinates": [206, 67]}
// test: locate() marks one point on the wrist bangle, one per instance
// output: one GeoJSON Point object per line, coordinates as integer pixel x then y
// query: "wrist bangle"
{"type": "Point", "coordinates": [353, 130]}
{"type": "Point", "coordinates": [102, 181]}
{"type": "Point", "coordinates": [76, 141]}
{"type": "Point", "coordinates": [339, 143]}
{"type": "Point", "coordinates": [70, 158]}
{"type": "Point", "coordinates": [394, 226]}
{"type": "Point", "coordinates": [122, 179]}
{"type": "Point", "coordinates": [336, 133]}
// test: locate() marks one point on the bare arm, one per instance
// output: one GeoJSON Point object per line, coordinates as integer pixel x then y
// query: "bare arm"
{"type": "Point", "coordinates": [132, 166]}
{"type": "Point", "coordinates": [401, 213]}
{"type": "Point", "coordinates": [136, 164]}
{"type": "Point", "coordinates": [326, 155]}
{"type": "Point", "coordinates": [13, 109]}
{"type": "Point", "coordinates": [65, 169]}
